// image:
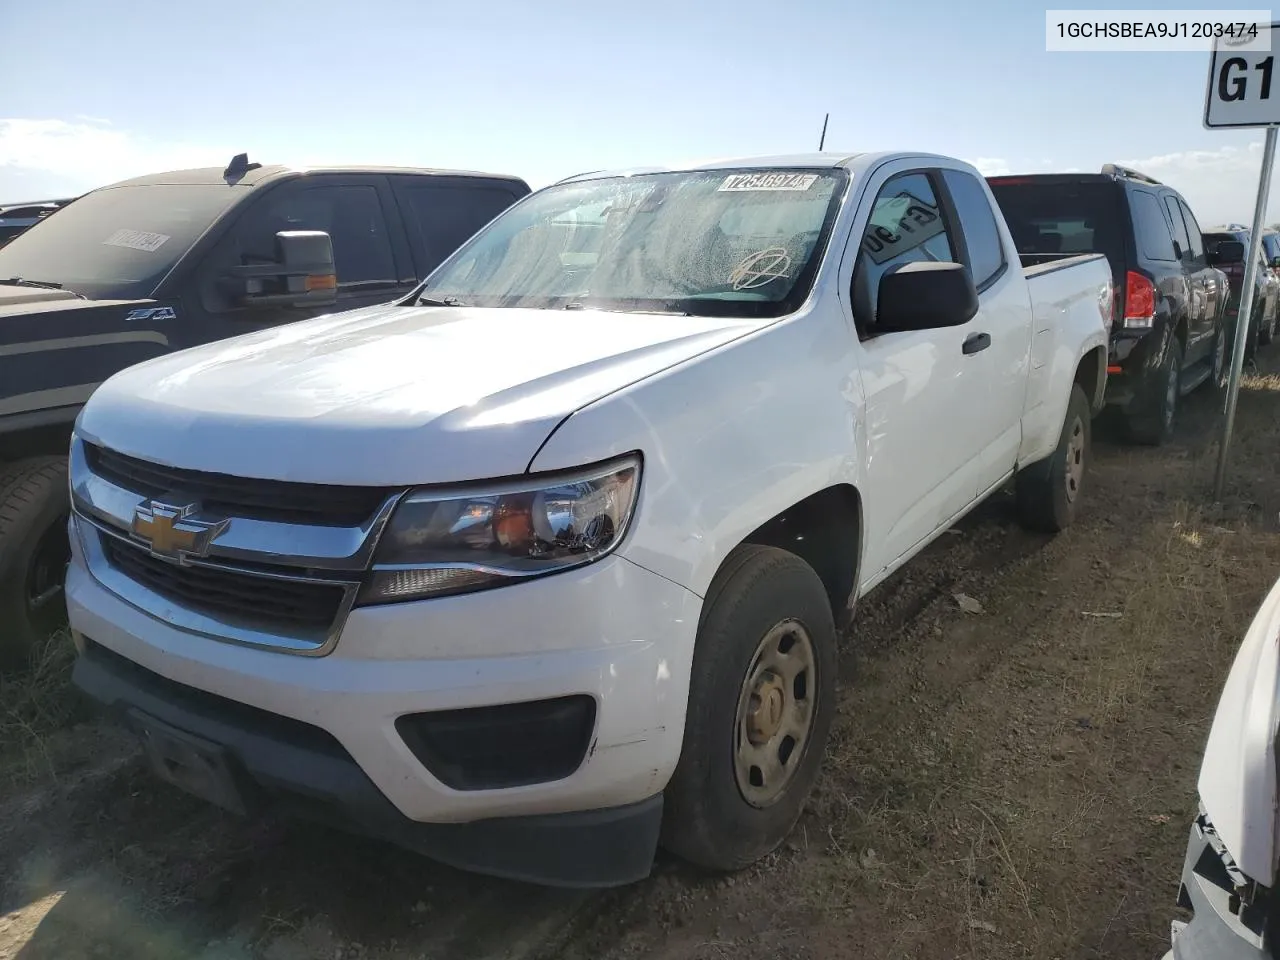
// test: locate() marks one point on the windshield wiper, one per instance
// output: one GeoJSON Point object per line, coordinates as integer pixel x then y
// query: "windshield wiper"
{"type": "Point", "coordinates": [438, 302]}
{"type": "Point", "coordinates": [24, 282]}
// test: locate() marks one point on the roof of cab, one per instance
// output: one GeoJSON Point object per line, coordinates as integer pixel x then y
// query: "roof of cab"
{"type": "Point", "coordinates": [853, 161]}
{"type": "Point", "coordinates": [267, 172]}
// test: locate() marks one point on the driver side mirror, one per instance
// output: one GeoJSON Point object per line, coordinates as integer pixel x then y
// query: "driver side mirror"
{"type": "Point", "coordinates": [302, 275]}
{"type": "Point", "coordinates": [925, 295]}
{"type": "Point", "coordinates": [1226, 253]}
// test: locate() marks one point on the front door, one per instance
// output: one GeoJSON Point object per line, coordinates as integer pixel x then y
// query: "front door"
{"type": "Point", "coordinates": [925, 394]}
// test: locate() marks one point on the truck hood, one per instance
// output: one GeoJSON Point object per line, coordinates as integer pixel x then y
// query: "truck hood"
{"type": "Point", "coordinates": [13, 297]}
{"type": "Point", "coordinates": [1238, 776]}
{"type": "Point", "coordinates": [388, 395]}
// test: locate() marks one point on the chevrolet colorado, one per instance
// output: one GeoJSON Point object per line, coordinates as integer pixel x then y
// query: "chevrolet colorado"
{"type": "Point", "coordinates": [152, 265]}
{"type": "Point", "coordinates": [545, 562]}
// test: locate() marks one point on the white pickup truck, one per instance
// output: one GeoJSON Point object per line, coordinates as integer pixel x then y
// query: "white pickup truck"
{"type": "Point", "coordinates": [545, 564]}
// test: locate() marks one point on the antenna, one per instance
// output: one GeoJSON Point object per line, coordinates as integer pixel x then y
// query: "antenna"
{"type": "Point", "coordinates": [823, 139]}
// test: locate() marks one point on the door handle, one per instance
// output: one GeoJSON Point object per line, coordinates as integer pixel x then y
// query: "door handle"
{"type": "Point", "coordinates": [976, 343]}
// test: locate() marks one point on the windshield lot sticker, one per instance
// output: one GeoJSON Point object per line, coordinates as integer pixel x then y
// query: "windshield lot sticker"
{"type": "Point", "coordinates": [757, 269]}
{"type": "Point", "coordinates": [899, 224]}
{"type": "Point", "coordinates": [137, 240]}
{"type": "Point", "coordinates": [768, 181]}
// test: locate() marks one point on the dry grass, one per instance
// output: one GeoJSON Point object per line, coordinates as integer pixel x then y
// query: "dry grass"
{"type": "Point", "coordinates": [35, 704]}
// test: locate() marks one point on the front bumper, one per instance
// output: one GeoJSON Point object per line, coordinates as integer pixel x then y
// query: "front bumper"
{"type": "Point", "coordinates": [1221, 927]}
{"type": "Point", "coordinates": [612, 631]}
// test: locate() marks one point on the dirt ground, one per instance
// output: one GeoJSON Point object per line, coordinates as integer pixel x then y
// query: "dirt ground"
{"type": "Point", "coordinates": [1012, 783]}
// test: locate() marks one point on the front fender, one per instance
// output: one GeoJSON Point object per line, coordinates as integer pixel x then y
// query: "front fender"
{"type": "Point", "coordinates": [730, 439]}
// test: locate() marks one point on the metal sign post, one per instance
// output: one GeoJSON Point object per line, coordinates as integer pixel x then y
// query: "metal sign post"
{"type": "Point", "coordinates": [1245, 308]}
{"type": "Point", "coordinates": [1240, 95]}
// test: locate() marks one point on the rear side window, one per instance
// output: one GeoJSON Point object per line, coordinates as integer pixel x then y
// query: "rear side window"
{"type": "Point", "coordinates": [1271, 245]}
{"type": "Point", "coordinates": [1179, 226]}
{"type": "Point", "coordinates": [1193, 231]}
{"type": "Point", "coordinates": [978, 224]}
{"type": "Point", "coordinates": [1154, 239]}
{"type": "Point", "coordinates": [442, 217]}
{"type": "Point", "coordinates": [1063, 218]}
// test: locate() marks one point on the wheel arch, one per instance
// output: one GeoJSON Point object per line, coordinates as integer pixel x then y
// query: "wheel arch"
{"type": "Point", "coordinates": [825, 529]}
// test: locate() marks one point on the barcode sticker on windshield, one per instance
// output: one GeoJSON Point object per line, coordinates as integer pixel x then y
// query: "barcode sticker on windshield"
{"type": "Point", "coordinates": [769, 181]}
{"type": "Point", "coordinates": [137, 240]}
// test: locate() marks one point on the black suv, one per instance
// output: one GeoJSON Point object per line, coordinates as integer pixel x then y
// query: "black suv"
{"type": "Point", "coordinates": [1168, 335]}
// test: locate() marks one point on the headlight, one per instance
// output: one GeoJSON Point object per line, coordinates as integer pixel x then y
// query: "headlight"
{"type": "Point", "coordinates": [453, 541]}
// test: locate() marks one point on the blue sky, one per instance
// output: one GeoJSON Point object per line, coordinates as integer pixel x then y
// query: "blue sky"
{"type": "Point", "coordinates": [96, 91]}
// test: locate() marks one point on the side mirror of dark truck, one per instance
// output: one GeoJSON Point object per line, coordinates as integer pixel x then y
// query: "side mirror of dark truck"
{"type": "Point", "coordinates": [1226, 252]}
{"type": "Point", "coordinates": [303, 273]}
{"type": "Point", "coordinates": [924, 296]}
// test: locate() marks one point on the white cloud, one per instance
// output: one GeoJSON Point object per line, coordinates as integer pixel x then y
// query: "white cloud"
{"type": "Point", "coordinates": [56, 156]}
{"type": "Point", "coordinates": [1221, 185]}
{"type": "Point", "coordinates": [991, 166]}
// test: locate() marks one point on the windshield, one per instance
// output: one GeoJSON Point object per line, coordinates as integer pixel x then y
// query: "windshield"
{"type": "Point", "coordinates": [724, 243]}
{"type": "Point", "coordinates": [119, 242]}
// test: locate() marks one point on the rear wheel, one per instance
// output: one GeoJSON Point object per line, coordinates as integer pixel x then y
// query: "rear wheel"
{"type": "Point", "coordinates": [1151, 422]}
{"type": "Point", "coordinates": [1048, 492]}
{"type": "Point", "coordinates": [34, 551]}
{"type": "Point", "coordinates": [761, 701]}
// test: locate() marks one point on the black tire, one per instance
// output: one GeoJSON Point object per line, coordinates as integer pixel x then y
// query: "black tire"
{"type": "Point", "coordinates": [1221, 356]}
{"type": "Point", "coordinates": [1049, 491]}
{"type": "Point", "coordinates": [707, 818]}
{"type": "Point", "coordinates": [1150, 419]}
{"type": "Point", "coordinates": [33, 555]}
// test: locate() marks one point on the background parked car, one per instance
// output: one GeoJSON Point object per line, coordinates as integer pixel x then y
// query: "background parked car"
{"type": "Point", "coordinates": [16, 218]}
{"type": "Point", "coordinates": [1168, 335]}
{"type": "Point", "coordinates": [1266, 298]}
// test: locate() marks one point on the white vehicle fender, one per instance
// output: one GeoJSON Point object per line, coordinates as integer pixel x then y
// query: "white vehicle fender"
{"type": "Point", "coordinates": [1064, 334]}
{"type": "Point", "coordinates": [730, 439]}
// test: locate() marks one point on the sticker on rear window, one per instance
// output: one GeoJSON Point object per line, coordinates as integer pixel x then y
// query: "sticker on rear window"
{"type": "Point", "coordinates": [137, 240]}
{"type": "Point", "coordinates": [769, 181]}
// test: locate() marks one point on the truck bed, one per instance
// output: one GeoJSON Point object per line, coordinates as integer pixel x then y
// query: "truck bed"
{"type": "Point", "coordinates": [1038, 264]}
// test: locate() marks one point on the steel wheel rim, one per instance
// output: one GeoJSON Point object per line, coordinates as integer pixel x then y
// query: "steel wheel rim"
{"type": "Point", "coordinates": [1075, 460]}
{"type": "Point", "coordinates": [776, 709]}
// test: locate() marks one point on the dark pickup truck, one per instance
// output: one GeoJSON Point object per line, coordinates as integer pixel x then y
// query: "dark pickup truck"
{"type": "Point", "coordinates": [164, 262]}
{"type": "Point", "coordinates": [1171, 332]}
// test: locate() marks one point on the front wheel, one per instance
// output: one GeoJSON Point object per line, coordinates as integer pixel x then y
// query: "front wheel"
{"type": "Point", "coordinates": [1267, 330]}
{"type": "Point", "coordinates": [33, 555]}
{"type": "Point", "coordinates": [1221, 370]}
{"type": "Point", "coordinates": [761, 701]}
{"type": "Point", "coordinates": [1048, 492]}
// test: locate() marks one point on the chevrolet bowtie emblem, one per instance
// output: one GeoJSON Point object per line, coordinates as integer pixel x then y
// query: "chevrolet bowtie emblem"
{"type": "Point", "coordinates": [172, 533]}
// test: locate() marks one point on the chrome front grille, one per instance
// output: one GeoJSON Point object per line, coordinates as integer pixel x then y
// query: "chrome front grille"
{"type": "Point", "coordinates": [314, 504]}
{"type": "Point", "coordinates": [280, 602]}
{"type": "Point", "coordinates": [282, 572]}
